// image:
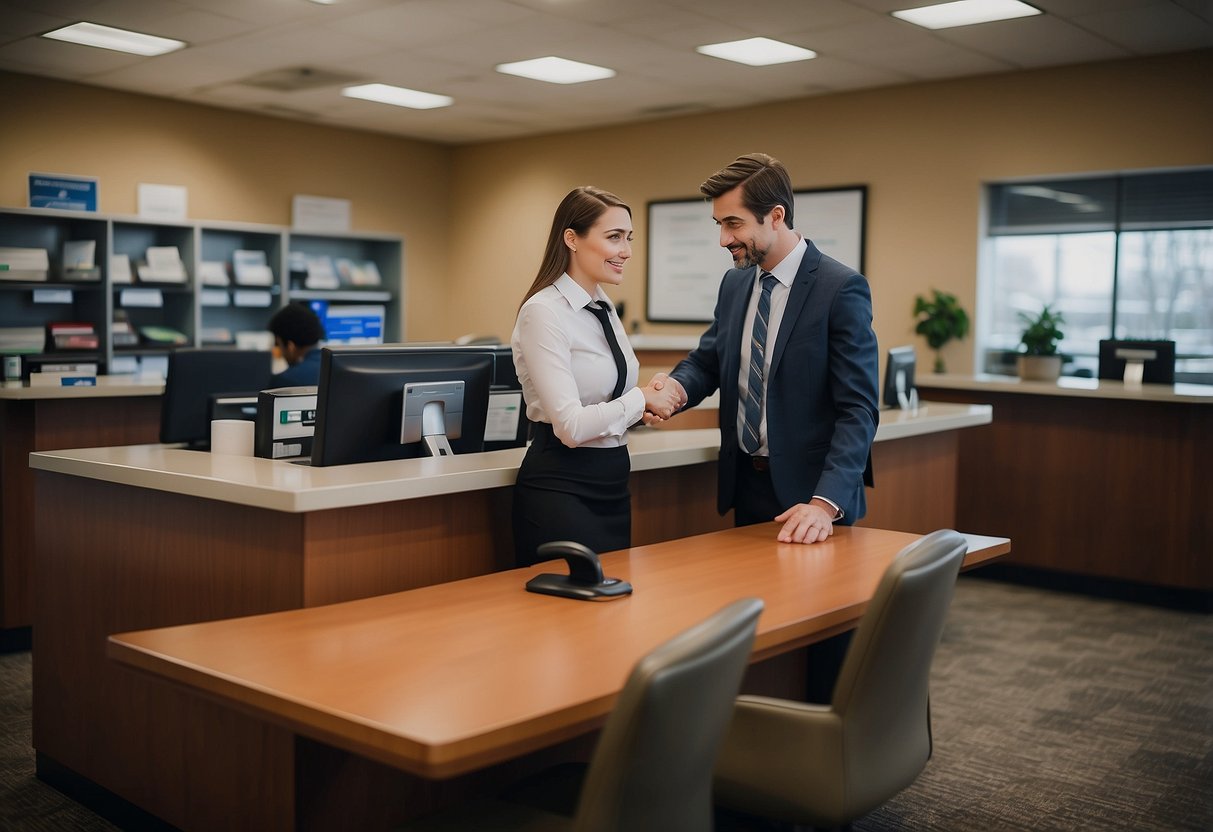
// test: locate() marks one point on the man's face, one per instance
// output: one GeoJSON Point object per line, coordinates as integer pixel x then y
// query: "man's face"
{"type": "Point", "coordinates": [748, 240]}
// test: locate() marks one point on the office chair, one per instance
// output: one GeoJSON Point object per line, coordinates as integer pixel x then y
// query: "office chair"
{"type": "Point", "coordinates": [827, 765]}
{"type": "Point", "coordinates": [652, 767]}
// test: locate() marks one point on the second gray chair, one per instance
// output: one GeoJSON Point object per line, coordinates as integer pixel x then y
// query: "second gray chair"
{"type": "Point", "coordinates": [826, 766]}
{"type": "Point", "coordinates": [651, 770]}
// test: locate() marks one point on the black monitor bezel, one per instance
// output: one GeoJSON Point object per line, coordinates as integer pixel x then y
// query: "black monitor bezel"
{"type": "Point", "coordinates": [195, 374]}
{"type": "Point", "coordinates": [898, 358]}
{"type": "Point", "coordinates": [372, 432]}
{"type": "Point", "coordinates": [1157, 370]}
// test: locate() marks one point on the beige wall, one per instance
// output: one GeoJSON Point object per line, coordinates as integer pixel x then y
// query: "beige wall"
{"type": "Point", "coordinates": [237, 166]}
{"type": "Point", "coordinates": [923, 151]}
{"type": "Point", "coordinates": [474, 218]}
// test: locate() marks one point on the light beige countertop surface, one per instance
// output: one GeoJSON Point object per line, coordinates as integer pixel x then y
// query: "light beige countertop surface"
{"type": "Point", "coordinates": [1076, 387]}
{"type": "Point", "coordinates": [281, 485]}
{"type": "Point", "coordinates": [106, 387]}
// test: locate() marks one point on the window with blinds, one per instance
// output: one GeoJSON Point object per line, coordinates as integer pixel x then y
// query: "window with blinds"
{"type": "Point", "coordinates": [1125, 256]}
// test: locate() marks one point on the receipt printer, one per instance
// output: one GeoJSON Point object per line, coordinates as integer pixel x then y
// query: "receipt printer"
{"type": "Point", "coordinates": [286, 422]}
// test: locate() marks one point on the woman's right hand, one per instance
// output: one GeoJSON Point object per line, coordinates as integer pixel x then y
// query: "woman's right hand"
{"type": "Point", "coordinates": [662, 400]}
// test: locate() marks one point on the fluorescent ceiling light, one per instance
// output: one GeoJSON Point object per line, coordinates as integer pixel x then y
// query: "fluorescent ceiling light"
{"type": "Point", "coordinates": [399, 96]}
{"type": "Point", "coordinates": [965, 13]}
{"type": "Point", "coordinates": [120, 40]}
{"type": "Point", "coordinates": [556, 70]}
{"type": "Point", "coordinates": [757, 51]}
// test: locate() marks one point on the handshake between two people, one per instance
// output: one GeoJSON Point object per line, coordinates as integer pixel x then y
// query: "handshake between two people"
{"type": "Point", "coordinates": [663, 397]}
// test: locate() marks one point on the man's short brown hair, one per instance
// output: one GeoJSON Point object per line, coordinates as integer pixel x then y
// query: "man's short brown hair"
{"type": "Point", "coordinates": [764, 184]}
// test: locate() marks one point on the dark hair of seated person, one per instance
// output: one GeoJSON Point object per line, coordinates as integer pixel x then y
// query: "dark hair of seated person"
{"type": "Point", "coordinates": [297, 324]}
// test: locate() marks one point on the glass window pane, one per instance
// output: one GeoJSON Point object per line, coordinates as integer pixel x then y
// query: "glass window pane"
{"type": "Point", "coordinates": [1070, 272]}
{"type": "Point", "coordinates": [1165, 291]}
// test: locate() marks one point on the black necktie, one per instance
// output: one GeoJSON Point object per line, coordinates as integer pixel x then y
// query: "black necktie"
{"type": "Point", "coordinates": [604, 317]}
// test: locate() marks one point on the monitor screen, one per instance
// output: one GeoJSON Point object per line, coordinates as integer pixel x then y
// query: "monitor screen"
{"type": "Point", "coordinates": [1151, 362]}
{"type": "Point", "coordinates": [899, 378]}
{"type": "Point", "coordinates": [350, 324]}
{"type": "Point", "coordinates": [194, 377]}
{"type": "Point", "coordinates": [360, 402]}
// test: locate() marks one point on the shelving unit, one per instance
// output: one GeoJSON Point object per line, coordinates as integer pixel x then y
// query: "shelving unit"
{"type": "Point", "coordinates": [206, 315]}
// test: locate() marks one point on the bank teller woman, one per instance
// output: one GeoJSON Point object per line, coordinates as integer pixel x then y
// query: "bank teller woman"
{"type": "Point", "coordinates": [578, 376]}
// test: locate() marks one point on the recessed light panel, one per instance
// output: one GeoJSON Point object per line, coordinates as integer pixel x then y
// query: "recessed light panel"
{"type": "Point", "coordinates": [398, 96]}
{"type": "Point", "coordinates": [556, 70]}
{"type": "Point", "coordinates": [119, 40]}
{"type": "Point", "coordinates": [965, 13]}
{"type": "Point", "coordinates": [757, 51]}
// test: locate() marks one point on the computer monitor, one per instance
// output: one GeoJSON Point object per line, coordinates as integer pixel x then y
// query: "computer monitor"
{"type": "Point", "coordinates": [899, 378]}
{"type": "Point", "coordinates": [399, 402]}
{"type": "Point", "coordinates": [195, 376]}
{"type": "Point", "coordinates": [351, 324]}
{"type": "Point", "coordinates": [1137, 362]}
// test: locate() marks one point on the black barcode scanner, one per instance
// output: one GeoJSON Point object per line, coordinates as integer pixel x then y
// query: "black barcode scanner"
{"type": "Point", "coordinates": [585, 580]}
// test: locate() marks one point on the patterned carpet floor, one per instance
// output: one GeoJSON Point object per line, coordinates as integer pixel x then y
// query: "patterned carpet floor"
{"type": "Point", "coordinates": [1052, 711]}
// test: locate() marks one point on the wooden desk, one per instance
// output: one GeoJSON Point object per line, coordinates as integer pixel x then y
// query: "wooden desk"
{"type": "Point", "coordinates": [447, 679]}
{"type": "Point", "coordinates": [118, 411]}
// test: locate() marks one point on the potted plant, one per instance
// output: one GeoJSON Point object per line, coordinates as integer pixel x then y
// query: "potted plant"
{"type": "Point", "coordinates": [1039, 360]}
{"type": "Point", "coordinates": [940, 319]}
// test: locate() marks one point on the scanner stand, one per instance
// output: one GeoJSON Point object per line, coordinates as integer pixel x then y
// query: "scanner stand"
{"type": "Point", "coordinates": [585, 581]}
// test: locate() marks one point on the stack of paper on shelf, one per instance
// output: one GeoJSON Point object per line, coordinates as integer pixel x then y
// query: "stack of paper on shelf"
{"type": "Point", "coordinates": [251, 269]}
{"type": "Point", "coordinates": [21, 340]}
{"type": "Point", "coordinates": [163, 266]}
{"type": "Point", "coordinates": [355, 273]}
{"type": "Point", "coordinates": [29, 264]}
{"type": "Point", "coordinates": [321, 274]}
{"type": "Point", "coordinates": [120, 268]}
{"type": "Point", "coordinates": [213, 273]}
{"type": "Point", "coordinates": [79, 260]}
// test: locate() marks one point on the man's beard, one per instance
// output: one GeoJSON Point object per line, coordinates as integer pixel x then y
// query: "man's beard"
{"type": "Point", "coordinates": [748, 256]}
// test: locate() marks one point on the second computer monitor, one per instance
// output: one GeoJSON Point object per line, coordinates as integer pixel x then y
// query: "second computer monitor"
{"type": "Point", "coordinates": [360, 407]}
{"type": "Point", "coordinates": [194, 378]}
{"type": "Point", "coordinates": [1149, 362]}
{"type": "Point", "coordinates": [899, 378]}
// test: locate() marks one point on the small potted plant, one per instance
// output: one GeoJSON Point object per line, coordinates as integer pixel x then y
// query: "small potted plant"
{"type": "Point", "coordinates": [940, 319]}
{"type": "Point", "coordinates": [1039, 360]}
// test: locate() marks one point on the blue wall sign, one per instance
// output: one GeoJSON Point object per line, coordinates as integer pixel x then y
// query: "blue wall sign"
{"type": "Point", "coordinates": [75, 193]}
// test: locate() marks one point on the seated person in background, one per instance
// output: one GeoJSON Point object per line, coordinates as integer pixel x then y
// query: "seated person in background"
{"type": "Point", "coordinates": [297, 334]}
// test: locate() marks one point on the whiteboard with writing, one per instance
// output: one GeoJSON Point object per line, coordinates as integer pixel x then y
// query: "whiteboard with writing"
{"type": "Point", "coordinates": [686, 261]}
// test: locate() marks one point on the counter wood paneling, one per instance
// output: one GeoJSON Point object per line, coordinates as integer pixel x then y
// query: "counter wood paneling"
{"type": "Point", "coordinates": [1091, 477]}
{"type": "Point", "coordinates": [118, 411]}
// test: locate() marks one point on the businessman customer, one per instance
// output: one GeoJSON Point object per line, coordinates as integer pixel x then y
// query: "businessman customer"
{"type": "Point", "coordinates": [792, 351]}
{"type": "Point", "coordinates": [579, 381]}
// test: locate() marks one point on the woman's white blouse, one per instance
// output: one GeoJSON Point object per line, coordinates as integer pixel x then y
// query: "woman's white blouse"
{"type": "Point", "coordinates": [566, 369]}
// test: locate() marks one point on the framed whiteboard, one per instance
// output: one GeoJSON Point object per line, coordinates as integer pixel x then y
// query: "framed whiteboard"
{"type": "Point", "coordinates": [686, 261]}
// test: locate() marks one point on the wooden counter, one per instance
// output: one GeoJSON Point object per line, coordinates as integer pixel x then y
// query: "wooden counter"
{"type": "Point", "coordinates": [1091, 477]}
{"type": "Point", "coordinates": [120, 410]}
{"type": "Point", "coordinates": [160, 537]}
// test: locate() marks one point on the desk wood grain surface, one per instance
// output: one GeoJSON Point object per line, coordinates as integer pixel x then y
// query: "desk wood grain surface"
{"type": "Point", "coordinates": [446, 679]}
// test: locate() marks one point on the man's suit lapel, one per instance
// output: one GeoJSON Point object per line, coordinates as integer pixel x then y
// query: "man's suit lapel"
{"type": "Point", "coordinates": [797, 296]}
{"type": "Point", "coordinates": [730, 364]}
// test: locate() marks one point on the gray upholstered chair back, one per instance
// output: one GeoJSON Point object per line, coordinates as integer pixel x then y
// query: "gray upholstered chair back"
{"type": "Point", "coordinates": [652, 767]}
{"type": "Point", "coordinates": [827, 765]}
{"type": "Point", "coordinates": [881, 694]}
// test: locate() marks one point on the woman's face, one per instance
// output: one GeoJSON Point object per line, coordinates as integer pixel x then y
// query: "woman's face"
{"type": "Point", "coordinates": [600, 255]}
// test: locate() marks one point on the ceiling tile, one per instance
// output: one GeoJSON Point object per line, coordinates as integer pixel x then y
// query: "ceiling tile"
{"type": "Point", "coordinates": [1034, 41]}
{"type": "Point", "coordinates": [1157, 28]}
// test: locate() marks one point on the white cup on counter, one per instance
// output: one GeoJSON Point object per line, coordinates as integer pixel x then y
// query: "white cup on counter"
{"type": "Point", "coordinates": [232, 436]}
